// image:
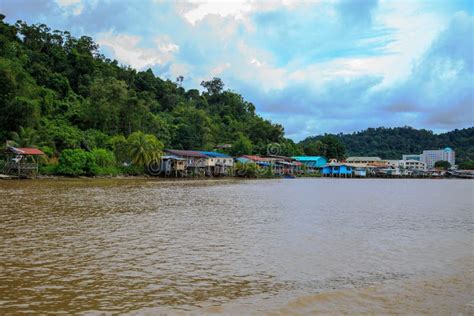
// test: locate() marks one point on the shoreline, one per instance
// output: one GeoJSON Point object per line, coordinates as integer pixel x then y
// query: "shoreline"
{"type": "Point", "coordinates": [184, 179]}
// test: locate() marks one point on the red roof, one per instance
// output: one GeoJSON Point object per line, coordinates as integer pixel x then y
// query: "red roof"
{"type": "Point", "coordinates": [26, 151]}
{"type": "Point", "coordinates": [254, 158]}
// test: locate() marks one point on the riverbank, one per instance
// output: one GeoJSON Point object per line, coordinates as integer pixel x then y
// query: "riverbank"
{"type": "Point", "coordinates": [149, 177]}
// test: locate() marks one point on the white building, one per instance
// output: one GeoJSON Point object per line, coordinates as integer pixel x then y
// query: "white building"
{"type": "Point", "coordinates": [429, 157]}
{"type": "Point", "coordinates": [412, 165]}
{"type": "Point", "coordinates": [363, 159]}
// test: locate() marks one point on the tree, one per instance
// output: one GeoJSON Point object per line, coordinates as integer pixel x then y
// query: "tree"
{"type": "Point", "coordinates": [329, 146]}
{"type": "Point", "coordinates": [334, 148]}
{"type": "Point", "coordinates": [214, 86]}
{"type": "Point", "coordinates": [26, 137]}
{"type": "Point", "coordinates": [315, 148]}
{"type": "Point", "coordinates": [442, 165]}
{"type": "Point", "coordinates": [242, 146]}
{"type": "Point", "coordinates": [466, 165]}
{"type": "Point", "coordinates": [144, 148]}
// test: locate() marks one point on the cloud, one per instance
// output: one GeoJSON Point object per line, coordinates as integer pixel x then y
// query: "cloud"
{"type": "Point", "coordinates": [312, 66]}
{"type": "Point", "coordinates": [126, 48]}
{"type": "Point", "coordinates": [223, 9]}
{"type": "Point", "coordinates": [76, 6]}
{"type": "Point", "coordinates": [440, 87]}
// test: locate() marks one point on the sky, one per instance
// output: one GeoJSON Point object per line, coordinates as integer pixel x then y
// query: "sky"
{"type": "Point", "coordinates": [313, 66]}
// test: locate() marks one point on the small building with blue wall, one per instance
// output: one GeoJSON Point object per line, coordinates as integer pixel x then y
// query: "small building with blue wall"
{"type": "Point", "coordinates": [337, 170]}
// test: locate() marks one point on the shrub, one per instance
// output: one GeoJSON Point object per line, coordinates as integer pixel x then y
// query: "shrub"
{"type": "Point", "coordinates": [132, 170]}
{"type": "Point", "coordinates": [247, 170]}
{"type": "Point", "coordinates": [466, 165]}
{"type": "Point", "coordinates": [76, 162]}
{"type": "Point", "coordinates": [48, 169]}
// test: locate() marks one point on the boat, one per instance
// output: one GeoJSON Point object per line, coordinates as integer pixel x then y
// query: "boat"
{"type": "Point", "coordinates": [289, 176]}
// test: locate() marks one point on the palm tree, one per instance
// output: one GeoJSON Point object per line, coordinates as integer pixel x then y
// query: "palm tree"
{"type": "Point", "coordinates": [144, 148]}
{"type": "Point", "coordinates": [26, 137]}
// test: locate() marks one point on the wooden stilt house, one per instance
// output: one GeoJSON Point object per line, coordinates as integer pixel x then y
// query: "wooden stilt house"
{"type": "Point", "coordinates": [22, 162]}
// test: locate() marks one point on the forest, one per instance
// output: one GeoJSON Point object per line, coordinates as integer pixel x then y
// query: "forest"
{"type": "Point", "coordinates": [92, 116]}
{"type": "Point", "coordinates": [60, 93]}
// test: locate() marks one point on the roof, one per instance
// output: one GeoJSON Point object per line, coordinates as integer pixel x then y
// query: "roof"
{"type": "Point", "coordinates": [308, 158]}
{"type": "Point", "coordinates": [26, 151]}
{"type": "Point", "coordinates": [280, 157]}
{"type": "Point", "coordinates": [242, 160]}
{"type": "Point", "coordinates": [311, 161]}
{"type": "Point", "coordinates": [186, 153]}
{"type": "Point", "coordinates": [214, 154]}
{"type": "Point", "coordinates": [171, 157]}
{"type": "Point", "coordinates": [337, 164]}
{"type": "Point", "coordinates": [354, 159]}
{"type": "Point", "coordinates": [254, 158]}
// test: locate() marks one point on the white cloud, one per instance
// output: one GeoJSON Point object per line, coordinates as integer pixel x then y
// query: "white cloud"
{"type": "Point", "coordinates": [195, 11]}
{"type": "Point", "coordinates": [216, 71]}
{"type": "Point", "coordinates": [75, 6]}
{"type": "Point", "coordinates": [237, 9]}
{"type": "Point", "coordinates": [127, 50]}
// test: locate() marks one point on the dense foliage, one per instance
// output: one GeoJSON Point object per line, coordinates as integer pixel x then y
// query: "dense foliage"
{"type": "Point", "coordinates": [392, 143]}
{"type": "Point", "coordinates": [467, 165]}
{"type": "Point", "coordinates": [58, 92]}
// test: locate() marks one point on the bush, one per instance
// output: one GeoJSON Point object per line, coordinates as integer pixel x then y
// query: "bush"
{"type": "Point", "coordinates": [49, 169]}
{"type": "Point", "coordinates": [132, 170]}
{"type": "Point", "coordinates": [466, 165]}
{"type": "Point", "coordinates": [103, 158]}
{"type": "Point", "coordinates": [75, 162]}
{"type": "Point", "coordinates": [247, 170]}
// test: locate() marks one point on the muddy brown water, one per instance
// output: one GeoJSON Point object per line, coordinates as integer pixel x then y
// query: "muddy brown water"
{"type": "Point", "coordinates": [290, 246]}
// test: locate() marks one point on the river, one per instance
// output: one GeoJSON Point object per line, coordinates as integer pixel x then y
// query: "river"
{"type": "Point", "coordinates": [289, 246]}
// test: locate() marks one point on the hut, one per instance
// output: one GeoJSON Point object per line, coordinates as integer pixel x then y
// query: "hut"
{"type": "Point", "coordinates": [218, 164]}
{"type": "Point", "coordinates": [22, 162]}
{"type": "Point", "coordinates": [172, 165]}
{"type": "Point", "coordinates": [195, 162]}
{"type": "Point", "coordinates": [335, 169]}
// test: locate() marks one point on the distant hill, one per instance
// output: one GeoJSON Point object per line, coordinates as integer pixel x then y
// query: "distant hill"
{"type": "Point", "coordinates": [392, 143]}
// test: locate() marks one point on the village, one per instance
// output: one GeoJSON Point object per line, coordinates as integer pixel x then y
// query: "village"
{"type": "Point", "coordinates": [24, 163]}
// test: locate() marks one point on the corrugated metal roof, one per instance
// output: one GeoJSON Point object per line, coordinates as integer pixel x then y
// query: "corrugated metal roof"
{"type": "Point", "coordinates": [354, 159]}
{"type": "Point", "coordinates": [254, 158]}
{"type": "Point", "coordinates": [26, 151]}
{"type": "Point", "coordinates": [242, 159]}
{"type": "Point", "coordinates": [186, 153]}
{"type": "Point", "coordinates": [308, 158]}
{"type": "Point", "coordinates": [214, 154]}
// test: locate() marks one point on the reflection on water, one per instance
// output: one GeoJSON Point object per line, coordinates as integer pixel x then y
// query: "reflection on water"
{"type": "Point", "coordinates": [144, 246]}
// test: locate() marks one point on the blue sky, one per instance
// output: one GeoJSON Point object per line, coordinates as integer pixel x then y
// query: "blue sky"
{"type": "Point", "coordinates": [313, 66]}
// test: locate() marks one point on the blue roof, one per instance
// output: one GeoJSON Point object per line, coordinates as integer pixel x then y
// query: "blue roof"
{"type": "Point", "coordinates": [214, 154]}
{"type": "Point", "coordinates": [448, 149]}
{"type": "Point", "coordinates": [308, 158]}
{"type": "Point", "coordinates": [311, 161]}
{"type": "Point", "coordinates": [242, 160]}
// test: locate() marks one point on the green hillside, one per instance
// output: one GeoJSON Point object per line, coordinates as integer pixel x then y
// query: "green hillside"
{"type": "Point", "coordinates": [392, 143]}
{"type": "Point", "coordinates": [66, 93]}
